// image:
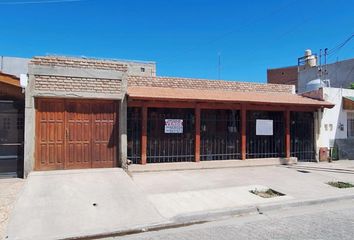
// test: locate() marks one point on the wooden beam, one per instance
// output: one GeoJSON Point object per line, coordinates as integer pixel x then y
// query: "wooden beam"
{"type": "Point", "coordinates": [143, 134]}
{"type": "Point", "coordinates": [243, 131]}
{"type": "Point", "coordinates": [183, 104]}
{"type": "Point", "coordinates": [161, 104]}
{"type": "Point", "coordinates": [218, 105]}
{"type": "Point", "coordinates": [233, 106]}
{"type": "Point", "coordinates": [197, 134]}
{"type": "Point", "coordinates": [280, 108]}
{"type": "Point", "coordinates": [287, 133]}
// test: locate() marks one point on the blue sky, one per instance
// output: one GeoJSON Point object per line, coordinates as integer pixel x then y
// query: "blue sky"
{"type": "Point", "coordinates": [184, 37]}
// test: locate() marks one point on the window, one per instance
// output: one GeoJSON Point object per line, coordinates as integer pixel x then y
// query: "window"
{"type": "Point", "coordinates": [350, 125]}
{"type": "Point", "coordinates": [142, 69]}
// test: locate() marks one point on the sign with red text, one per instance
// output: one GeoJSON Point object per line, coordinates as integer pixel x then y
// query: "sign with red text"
{"type": "Point", "coordinates": [173, 125]}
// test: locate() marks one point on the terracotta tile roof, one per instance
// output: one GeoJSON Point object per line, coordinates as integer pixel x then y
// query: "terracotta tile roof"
{"type": "Point", "coordinates": [192, 83]}
{"type": "Point", "coordinates": [158, 93]}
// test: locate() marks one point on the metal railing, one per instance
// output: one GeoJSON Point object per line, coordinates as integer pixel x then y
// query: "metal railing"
{"type": "Point", "coordinates": [263, 146]}
{"type": "Point", "coordinates": [220, 135]}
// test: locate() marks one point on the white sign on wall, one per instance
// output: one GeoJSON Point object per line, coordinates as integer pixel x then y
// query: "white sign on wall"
{"type": "Point", "coordinates": [173, 125]}
{"type": "Point", "coordinates": [264, 127]}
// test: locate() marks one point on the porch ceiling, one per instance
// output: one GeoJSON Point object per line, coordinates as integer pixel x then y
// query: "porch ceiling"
{"type": "Point", "coordinates": [178, 94]}
{"type": "Point", "coordinates": [348, 103]}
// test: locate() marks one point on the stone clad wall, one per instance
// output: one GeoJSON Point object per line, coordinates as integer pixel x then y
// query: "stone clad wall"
{"type": "Point", "coordinates": [205, 84]}
{"type": "Point", "coordinates": [85, 75]}
{"type": "Point", "coordinates": [77, 84]}
{"type": "Point", "coordinates": [79, 63]}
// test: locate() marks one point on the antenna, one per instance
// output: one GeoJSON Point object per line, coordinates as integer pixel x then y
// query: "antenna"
{"type": "Point", "coordinates": [320, 67]}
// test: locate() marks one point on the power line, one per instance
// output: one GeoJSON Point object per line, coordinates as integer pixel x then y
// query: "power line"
{"type": "Point", "coordinates": [341, 45]}
{"type": "Point", "coordinates": [39, 2]}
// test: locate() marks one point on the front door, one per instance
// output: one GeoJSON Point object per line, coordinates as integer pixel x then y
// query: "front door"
{"type": "Point", "coordinates": [76, 134]}
{"type": "Point", "coordinates": [11, 137]}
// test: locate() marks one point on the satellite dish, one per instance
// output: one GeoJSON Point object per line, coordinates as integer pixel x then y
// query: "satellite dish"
{"type": "Point", "coordinates": [23, 80]}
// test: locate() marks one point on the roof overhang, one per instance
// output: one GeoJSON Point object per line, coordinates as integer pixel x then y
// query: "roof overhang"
{"type": "Point", "coordinates": [9, 79]}
{"type": "Point", "coordinates": [348, 103]}
{"type": "Point", "coordinates": [10, 87]}
{"type": "Point", "coordinates": [262, 98]}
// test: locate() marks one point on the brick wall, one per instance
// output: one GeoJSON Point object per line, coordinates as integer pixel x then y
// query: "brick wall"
{"type": "Point", "coordinates": [287, 75]}
{"type": "Point", "coordinates": [49, 83]}
{"type": "Point", "coordinates": [79, 63]}
{"type": "Point", "coordinates": [75, 84]}
{"type": "Point", "coordinates": [204, 84]}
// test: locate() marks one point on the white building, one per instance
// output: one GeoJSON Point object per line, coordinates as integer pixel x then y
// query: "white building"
{"type": "Point", "coordinates": [336, 124]}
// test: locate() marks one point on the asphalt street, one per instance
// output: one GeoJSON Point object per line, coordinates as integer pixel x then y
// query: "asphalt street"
{"type": "Point", "coordinates": [327, 221]}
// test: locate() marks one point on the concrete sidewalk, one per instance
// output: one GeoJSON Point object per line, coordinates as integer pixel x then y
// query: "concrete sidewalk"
{"type": "Point", "coordinates": [102, 202]}
{"type": "Point", "coordinates": [77, 203]}
{"type": "Point", "coordinates": [9, 189]}
{"type": "Point", "coordinates": [182, 194]}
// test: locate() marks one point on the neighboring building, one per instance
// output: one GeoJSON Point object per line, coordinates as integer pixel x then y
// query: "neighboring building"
{"type": "Point", "coordinates": [285, 75]}
{"type": "Point", "coordinates": [91, 113]}
{"type": "Point", "coordinates": [330, 82]}
{"type": "Point", "coordinates": [340, 75]}
{"type": "Point", "coordinates": [337, 123]}
{"type": "Point", "coordinates": [14, 65]}
{"type": "Point", "coordinates": [11, 125]}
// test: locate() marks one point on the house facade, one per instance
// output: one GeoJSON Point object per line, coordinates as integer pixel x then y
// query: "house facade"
{"type": "Point", "coordinates": [221, 120]}
{"type": "Point", "coordinates": [337, 123]}
{"type": "Point", "coordinates": [89, 113]}
{"type": "Point", "coordinates": [74, 114]}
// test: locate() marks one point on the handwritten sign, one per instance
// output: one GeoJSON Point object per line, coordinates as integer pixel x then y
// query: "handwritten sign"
{"type": "Point", "coordinates": [173, 125]}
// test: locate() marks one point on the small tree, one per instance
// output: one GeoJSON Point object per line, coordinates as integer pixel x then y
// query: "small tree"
{"type": "Point", "coordinates": [352, 86]}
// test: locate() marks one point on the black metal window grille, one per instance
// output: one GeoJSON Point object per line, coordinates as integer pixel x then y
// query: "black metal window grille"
{"type": "Point", "coordinates": [170, 147]}
{"type": "Point", "coordinates": [134, 134]}
{"type": "Point", "coordinates": [302, 136]}
{"type": "Point", "coordinates": [259, 146]}
{"type": "Point", "coordinates": [220, 135]}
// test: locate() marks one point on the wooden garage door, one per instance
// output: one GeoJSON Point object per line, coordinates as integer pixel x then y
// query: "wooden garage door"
{"type": "Point", "coordinates": [76, 134]}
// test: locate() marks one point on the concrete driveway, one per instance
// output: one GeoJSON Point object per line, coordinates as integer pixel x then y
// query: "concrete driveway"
{"type": "Point", "coordinates": [67, 204]}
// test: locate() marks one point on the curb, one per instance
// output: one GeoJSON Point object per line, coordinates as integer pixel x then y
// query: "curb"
{"type": "Point", "coordinates": [204, 217]}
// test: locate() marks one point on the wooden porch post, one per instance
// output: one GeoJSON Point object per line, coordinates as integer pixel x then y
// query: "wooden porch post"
{"type": "Point", "coordinates": [197, 134]}
{"type": "Point", "coordinates": [143, 134]}
{"type": "Point", "coordinates": [287, 133]}
{"type": "Point", "coordinates": [243, 131]}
